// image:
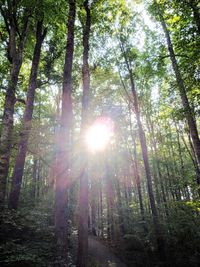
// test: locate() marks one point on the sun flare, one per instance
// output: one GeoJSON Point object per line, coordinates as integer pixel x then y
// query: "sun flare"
{"type": "Point", "coordinates": [99, 134]}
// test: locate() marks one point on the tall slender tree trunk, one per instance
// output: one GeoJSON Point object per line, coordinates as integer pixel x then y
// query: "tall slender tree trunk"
{"type": "Point", "coordinates": [195, 162]}
{"type": "Point", "coordinates": [34, 179]}
{"type": "Point", "coordinates": [159, 237]}
{"type": "Point", "coordinates": [38, 178]}
{"type": "Point", "coordinates": [136, 171]}
{"type": "Point", "coordinates": [138, 184]}
{"type": "Point", "coordinates": [23, 143]}
{"type": "Point", "coordinates": [193, 158]}
{"type": "Point", "coordinates": [83, 194]}
{"type": "Point", "coordinates": [110, 203]}
{"type": "Point", "coordinates": [120, 209]}
{"type": "Point", "coordinates": [155, 172]}
{"type": "Point", "coordinates": [6, 134]}
{"type": "Point", "coordinates": [157, 226]}
{"type": "Point", "coordinates": [15, 52]}
{"type": "Point", "coordinates": [94, 194]}
{"type": "Point", "coordinates": [63, 142]}
{"type": "Point", "coordinates": [101, 222]}
{"type": "Point", "coordinates": [174, 168]}
{"type": "Point", "coordinates": [182, 167]}
{"type": "Point", "coordinates": [181, 86]}
{"type": "Point", "coordinates": [157, 163]}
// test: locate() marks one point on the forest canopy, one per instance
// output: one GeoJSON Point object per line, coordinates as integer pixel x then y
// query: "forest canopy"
{"type": "Point", "coordinates": [99, 133]}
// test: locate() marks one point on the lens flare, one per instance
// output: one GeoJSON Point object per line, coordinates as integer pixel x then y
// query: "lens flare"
{"type": "Point", "coordinates": [99, 134]}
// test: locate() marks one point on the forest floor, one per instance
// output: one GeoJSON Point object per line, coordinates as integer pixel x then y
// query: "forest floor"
{"type": "Point", "coordinates": [102, 255]}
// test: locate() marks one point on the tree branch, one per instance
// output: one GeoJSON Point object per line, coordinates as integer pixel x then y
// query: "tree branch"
{"type": "Point", "coordinates": [178, 55]}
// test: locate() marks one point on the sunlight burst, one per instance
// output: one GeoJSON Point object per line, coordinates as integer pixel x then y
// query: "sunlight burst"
{"type": "Point", "coordinates": [99, 134]}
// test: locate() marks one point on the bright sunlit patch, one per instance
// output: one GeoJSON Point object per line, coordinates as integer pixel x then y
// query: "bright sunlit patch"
{"type": "Point", "coordinates": [99, 134]}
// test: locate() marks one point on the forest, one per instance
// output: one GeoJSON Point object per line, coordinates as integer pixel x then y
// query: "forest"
{"type": "Point", "coordinates": [99, 142]}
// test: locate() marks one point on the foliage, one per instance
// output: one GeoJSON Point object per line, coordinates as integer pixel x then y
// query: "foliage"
{"type": "Point", "coordinates": [118, 193]}
{"type": "Point", "coordinates": [28, 237]}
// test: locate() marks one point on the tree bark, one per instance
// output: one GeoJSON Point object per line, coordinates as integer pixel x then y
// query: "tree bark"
{"type": "Point", "coordinates": [23, 143]}
{"type": "Point", "coordinates": [83, 195]}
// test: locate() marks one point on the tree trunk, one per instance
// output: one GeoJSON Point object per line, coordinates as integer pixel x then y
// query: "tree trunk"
{"type": "Point", "coordinates": [182, 90]}
{"type": "Point", "coordinates": [159, 237]}
{"type": "Point", "coordinates": [138, 184]}
{"type": "Point", "coordinates": [193, 158]}
{"type": "Point", "coordinates": [23, 143]}
{"type": "Point", "coordinates": [94, 194]}
{"type": "Point", "coordinates": [136, 172]}
{"type": "Point", "coordinates": [38, 179]}
{"type": "Point", "coordinates": [63, 142]}
{"type": "Point", "coordinates": [157, 164]}
{"type": "Point", "coordinates": [7, 129]}
{"type": "Point", "coordinates": [83, 197]}
{"type": "Point", "coordinates": [15, 57]}
{"type": "Point", "coordinates": [110, 203]}
{"type": "Point", "coordinates": [182, 167]}
{"type": "Point", "coordinates": [157, 226]}
{"type": "Point", "coordinates": [120, 209]}
{"type": "Point", "coordinates": [34, 179]}
{"type": "Point", "coordinates": [101, 221]}
{"type": "Point", "coordinates": [174, 167]}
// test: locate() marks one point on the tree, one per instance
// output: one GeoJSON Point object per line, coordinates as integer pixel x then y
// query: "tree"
{"type": "Point", "coordinates": [15, 46]}
{"type": "Point", "coordinates": [62, 172]}
{"type": "Point", "coordinates": [22, 147]}
{"type": "Point", "coordinates": [137, 192]}
{"type": "Point", "coordinates": [182, 90]}
{"type": "Point", "coordinates": [83, 195]}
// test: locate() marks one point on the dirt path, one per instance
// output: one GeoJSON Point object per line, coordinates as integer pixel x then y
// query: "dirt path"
{"type": "Point", "coordinates": [102, 254]}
